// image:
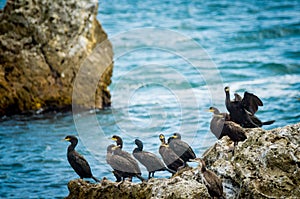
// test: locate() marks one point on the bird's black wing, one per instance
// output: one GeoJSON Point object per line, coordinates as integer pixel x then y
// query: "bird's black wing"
{"type": "Point", "coordinates": [251, 102]}
{"type": "Point", "coordinates": [121, 164]}
{"type": "Point", "coordinates": [128, 157]}
{"type": "Point", "coordinates": [82, 166]}
{"type": "Point", "coordinates": [170, 158]}
{"type": "Point", "coordinates": [182, 149]}
{"type": "Point", "coordinates": [151, 161]}
{"type": "Point", "coordinates": [217, 125]}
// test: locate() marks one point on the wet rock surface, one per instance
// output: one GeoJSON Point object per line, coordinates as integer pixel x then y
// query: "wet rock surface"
{"type": "Point", "coordinates": [266, 165]}
{"type": "Point", "coordinates": [42, 46]}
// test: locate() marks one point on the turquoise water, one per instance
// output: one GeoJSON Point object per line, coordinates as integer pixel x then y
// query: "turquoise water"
{"type": "Point", "coordinates": [163, 82]}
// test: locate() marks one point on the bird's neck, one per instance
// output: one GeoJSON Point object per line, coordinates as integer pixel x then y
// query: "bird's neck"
{"type": "Point", "coordinates": [140, 148]}
{"type": "Point", "coordinates": [218, 115]}
{"type": "Point", "coordinates": [216, 111]}
{"type": "Point", "coordinates": [227, 100]}
{"type": "Point", "coordinates": [120, 143]}
{"type": "Point", "coordinates": [109, 153]}
{"type": "Point", "coordinates": [203, 166]}
{"type": "Point", "coordinates": [227, 95]}
{"type": "Point", "coordinates": [72, 145]}
{"type": "Point", "coordinates": [178, 137]}
{"type": "Point", "coordinates": [163, 141]}
{"type": "Point", "coordinates": [136, 150]}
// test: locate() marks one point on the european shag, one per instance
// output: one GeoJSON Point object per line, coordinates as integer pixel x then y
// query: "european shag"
{"type": "Point", "coordinates": [242, 110]}
{"type": "Point", "coordinates": [118, 151]}
{"type": "Point", "coordinates": [77, 161]}
{"type": "Point", "coordinates": [181, 148]}
{"type": "Point", "coordinates": [212, 182]}
{"type": "Point", "coordinates": [220, 127]}
{"type": "Point", "coordinates": [123, 168]}
{"type": "Point", "coordinates": [149, 160]}
{"type": "Point", "coordinates": [169, 157]}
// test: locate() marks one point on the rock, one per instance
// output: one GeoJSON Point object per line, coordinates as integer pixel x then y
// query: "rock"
{"type": "Point", "coordinates": [266, 165]}
{"type": "Point", "coordinates": [187, 185]}
{"type": "Point", "coordinates": [42, 46]}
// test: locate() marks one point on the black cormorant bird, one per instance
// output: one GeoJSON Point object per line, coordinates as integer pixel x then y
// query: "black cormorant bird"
{"type": "Point", "coordinates": [169, 157]}
{"type": "Point", "coordinates": [242, 110]}
{"type": "Point", "coordinates": [149, 160]}
{"type": "Point", "coordinates": [118, 151]}
{"type": "Point", "coordinates": [123, 168]}
{"type": "Point", "coordinates": [181, 148]}
{"type": "Point", "coordinates": [220, 127]}
{"type": "Point", "coordinates": [212, 182]}
{"type": "Point", "coordinates": [77, 161]}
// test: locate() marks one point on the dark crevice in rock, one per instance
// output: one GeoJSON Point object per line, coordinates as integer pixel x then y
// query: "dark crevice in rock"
{"type": "Point", "coordinates": [54, 72]}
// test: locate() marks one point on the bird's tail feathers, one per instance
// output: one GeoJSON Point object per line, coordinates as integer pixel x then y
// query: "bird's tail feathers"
{"type": "Point", "coordinates": [170, 170]}
{"type": "Point", "coordinates": [268, 122]}
{"type": "Point", "coordinates": [96, 179]}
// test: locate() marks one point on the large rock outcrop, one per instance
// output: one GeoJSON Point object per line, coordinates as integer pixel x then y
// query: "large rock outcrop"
{"type": "Point", "coordinates": [266, 165]}
{"type": "Point", "coordinates": [42, 46]}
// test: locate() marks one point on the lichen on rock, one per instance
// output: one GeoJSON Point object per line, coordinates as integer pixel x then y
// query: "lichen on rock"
{"type": "Point", "coordinates": [42, 46]}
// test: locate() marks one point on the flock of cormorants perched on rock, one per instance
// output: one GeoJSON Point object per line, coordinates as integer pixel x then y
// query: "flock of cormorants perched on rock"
{"type": "Point", "coordinates": [175, 152]}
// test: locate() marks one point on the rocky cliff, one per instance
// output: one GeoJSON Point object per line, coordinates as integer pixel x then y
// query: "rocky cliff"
{"type": "Point", "coordinates": [266, 165]}
{"type": "Point", "coordinates": [42, 46]}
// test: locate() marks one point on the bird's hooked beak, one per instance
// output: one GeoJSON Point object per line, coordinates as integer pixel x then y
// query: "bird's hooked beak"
{"type": "Point", "coordinates": [227, 89]}
{"type": "Point", "coordinates": [161, 136]}
{"type": "Point", "coordinates": [210, 110]}
{"type": "Point", "coordinates": [114, 139]}
{"type": "Point", "coordinates": [174, 136]}
{"type": "Point", "coordinates": [66, 139]}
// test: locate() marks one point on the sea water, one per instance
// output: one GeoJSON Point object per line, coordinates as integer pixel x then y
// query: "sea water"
{"type": "Point", "coordinates": [172, 62]}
